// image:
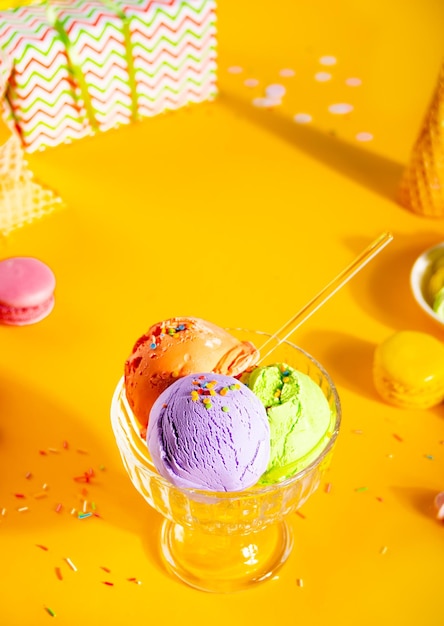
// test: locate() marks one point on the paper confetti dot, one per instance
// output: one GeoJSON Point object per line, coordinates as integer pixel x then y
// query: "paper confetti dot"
{"type": "Point", "coordinates": [275, 91]}
{"type": "Point", "coordinates": [251, 82]}
{"type": "Point", "coordinates": [235, 69]}
{"type": "Point", "coordinates": [302, 118]}
{"type": "Point", "coordinates": [286, 72]}
{"type": "Point", "coordinates": [327, 60]}
{"type": "Point", "coordinates": [353, 82]}
{"type": "Point", "coordinates": [266, 102]}
{"type": "Point", "coordinates": [364, 137]}
{"type": "Point", "coordinates": [322, 77]}
{"type": "Point", "coordinates": [340, 108]}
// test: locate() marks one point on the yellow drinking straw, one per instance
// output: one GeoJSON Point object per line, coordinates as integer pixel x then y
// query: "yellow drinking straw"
{"type": "Point", "coordinates": [325, 294]}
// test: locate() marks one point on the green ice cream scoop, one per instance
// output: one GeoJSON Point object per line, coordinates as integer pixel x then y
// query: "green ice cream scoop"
{"type": "Point", "coordinates": [299, 416]}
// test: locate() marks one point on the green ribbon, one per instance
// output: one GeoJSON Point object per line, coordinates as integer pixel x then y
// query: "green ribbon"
{"type": "Point", "coordinates": [129, 56]}
{"type": "Point", "coordinates": [75, 66]}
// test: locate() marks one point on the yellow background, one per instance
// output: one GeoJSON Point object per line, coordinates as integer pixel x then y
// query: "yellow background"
{"type": "Point", "coordinates": [237, 215]}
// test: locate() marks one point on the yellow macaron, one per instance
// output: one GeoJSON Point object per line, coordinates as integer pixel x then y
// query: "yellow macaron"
{"type": "Point", "coordinates": [408, 370]}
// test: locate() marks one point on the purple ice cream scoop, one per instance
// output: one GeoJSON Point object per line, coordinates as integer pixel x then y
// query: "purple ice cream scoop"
{"type": "Point", "coordinates": [210, 432]}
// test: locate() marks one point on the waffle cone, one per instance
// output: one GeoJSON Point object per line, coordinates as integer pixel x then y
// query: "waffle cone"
{"type": "Point", "coordinates": [422, 184]}
{"type": "Point", "coordinates": [22, 199]}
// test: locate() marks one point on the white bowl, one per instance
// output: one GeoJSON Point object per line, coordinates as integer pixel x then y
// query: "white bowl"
{"type": "Point", "coordinates": [420, 276]}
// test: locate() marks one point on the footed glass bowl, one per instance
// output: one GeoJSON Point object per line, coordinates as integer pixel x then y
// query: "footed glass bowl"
{"type": "Point", "coordinates": [225, 542]}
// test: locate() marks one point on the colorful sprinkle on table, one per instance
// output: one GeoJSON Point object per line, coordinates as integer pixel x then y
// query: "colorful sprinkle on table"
{"type": "Point", "coordinates": [40, 495]}
{"type": "Point", "coordinates": [71, 564]}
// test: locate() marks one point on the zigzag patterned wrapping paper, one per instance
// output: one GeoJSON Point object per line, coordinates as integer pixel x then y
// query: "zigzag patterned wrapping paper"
{"type": "Point", "coordinates": [79, 67]}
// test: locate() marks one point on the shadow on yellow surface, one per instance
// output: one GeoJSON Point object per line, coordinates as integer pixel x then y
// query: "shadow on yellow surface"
{"type": "Point", "coordinates": [375, 172]}
{"type": "Point", "coordinates": [386, 294]}
{"type": "Point", "coordinates": [418, 498]}
{"type": "Point", "coordinates": [58, 471]}
{"type": "Point", "coordinates": [348, 359]}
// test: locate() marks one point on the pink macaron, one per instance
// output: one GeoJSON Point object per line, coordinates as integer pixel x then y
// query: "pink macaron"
{"type": "Point", "coordinates": [26, 291]}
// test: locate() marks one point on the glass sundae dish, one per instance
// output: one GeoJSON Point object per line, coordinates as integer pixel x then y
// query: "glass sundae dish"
{"type": "Point", "coordinates": [228, 541]}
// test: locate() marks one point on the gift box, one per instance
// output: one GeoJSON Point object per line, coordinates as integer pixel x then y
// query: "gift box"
{"type": "Point", "coordinates": [76, 67]}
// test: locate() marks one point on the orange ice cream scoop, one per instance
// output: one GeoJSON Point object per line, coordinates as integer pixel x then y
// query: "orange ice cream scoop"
{"type": "Point", "coordinates": [175, 348]}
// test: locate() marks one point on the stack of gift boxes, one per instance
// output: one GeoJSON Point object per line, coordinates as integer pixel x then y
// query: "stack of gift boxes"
{"type": "Point", "coordinates": [76, 67]}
